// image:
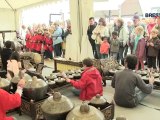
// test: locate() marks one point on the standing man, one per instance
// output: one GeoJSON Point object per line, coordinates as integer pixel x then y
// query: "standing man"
{"type": "Point", "coordinates": [91, 27]}
{"type": "Point", "coordinates": [137, 22]}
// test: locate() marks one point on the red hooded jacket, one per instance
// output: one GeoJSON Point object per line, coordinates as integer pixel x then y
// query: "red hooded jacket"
{"type": "Point", "coordinates": [48, 43]}
{"type": "Point", "coordinates": [90, 83]}
{"type": "Point", "coordinates": [33, 42]}
{"type": "Point", "coordinates": [39, 40]}
{"type": "Point", "coordinates": [8, 102]}
{"type": "Point", "coordinates": [28, 40]}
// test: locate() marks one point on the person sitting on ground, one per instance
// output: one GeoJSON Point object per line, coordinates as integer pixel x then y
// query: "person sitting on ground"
{"type": "Point", "coordinates": [10, 101]}
{"type": "Point", "coordinates": [90, 83]}
{"type": "Point", "coordinates": [130, 89]}
{"type": "Point", "coordinates": [5, 54]}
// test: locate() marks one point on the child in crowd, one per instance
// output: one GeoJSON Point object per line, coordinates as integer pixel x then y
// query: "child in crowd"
{"type": "Point", "coordinates": [114, 45]}
{"type": "Point", "coordinates": [13, 65]}
{"type": "Point", "coordinates": [33, 42]}
{"type": "Point", "coordinates": [39, 39]}
{"type": "Point", "coordinates": [48, 45]}
{"type": "Point", "coordinates": [28, 39]}
{"type": "Point", "coordinates": [104, 48]}
{"type": "Point", "coordinates": [153, 45]}
{"type": "Point", "coordinates": [139, 46]}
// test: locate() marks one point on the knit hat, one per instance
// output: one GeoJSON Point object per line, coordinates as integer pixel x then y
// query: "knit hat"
{"type": "Point", "coordinates": [136, 17]}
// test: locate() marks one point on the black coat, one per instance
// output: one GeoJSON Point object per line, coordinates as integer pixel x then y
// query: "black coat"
{"type": "Point", "coordinates": [90, 30]}
{"type": "Point", "coordinates": [5, 55]}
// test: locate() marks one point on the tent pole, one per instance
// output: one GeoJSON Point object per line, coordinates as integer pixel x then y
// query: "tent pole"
{"type": "Point", "coordinates": [9, 5]}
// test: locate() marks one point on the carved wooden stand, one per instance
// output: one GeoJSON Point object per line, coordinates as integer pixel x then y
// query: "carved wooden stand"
{"type": "Point", "coordinates": [33, 108]}
{"type": "Point", "coordinates": [109, 111]}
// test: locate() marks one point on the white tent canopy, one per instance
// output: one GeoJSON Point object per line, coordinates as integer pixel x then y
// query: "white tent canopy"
{"type": "Point", "coordinates": [16, 4]}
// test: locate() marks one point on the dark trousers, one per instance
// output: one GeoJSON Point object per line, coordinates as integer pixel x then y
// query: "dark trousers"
{"type": "Point", "coordinates": [120, 55]}
{"type": "Point", "coordinates": [98, 51]}
{"type": "Point", "coordinates": [151, 62]}
{"type": "Point", "coordinates": [104, 56]}
{"type": "Point", "coordinates": [48, 54]}
{"type": "Point", "coordinates": [125, 50]}
{"type": "Point", "coordinates": [58, 50]}
{"type": "Point", "coordinates": [158, 59]}
{"type": "Point", "coordinates": [93, 45]}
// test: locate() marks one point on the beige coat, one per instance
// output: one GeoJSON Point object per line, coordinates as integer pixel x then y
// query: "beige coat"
{"type": "Point", "coordinates": [99, 32]}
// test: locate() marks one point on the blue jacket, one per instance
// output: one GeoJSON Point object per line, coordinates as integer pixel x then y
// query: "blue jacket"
{"type": "Point", "coordinates": [57, 36]}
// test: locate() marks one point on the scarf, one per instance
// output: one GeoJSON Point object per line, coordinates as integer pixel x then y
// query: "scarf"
{"type": "Point", "coordinates": [137, 38]}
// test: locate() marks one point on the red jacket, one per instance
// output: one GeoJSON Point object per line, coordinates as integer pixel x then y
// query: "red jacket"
{"type": "Point", "coordinates": [150, 27]}
{"type": "Point", "coordinates": [39, 40]}
{"type": "Point", "coordinates": [90, 83]}
{"type": "Point", "coordinates": [33, 42]}
{"type": "Point", "coordinates": [8, 102]}
{"type": "Point", "coordinates": [28, 40]}
{"type": "Point", "coordinates": [104, 48]}
{"type": "Point", "coordinates": [48, 43]}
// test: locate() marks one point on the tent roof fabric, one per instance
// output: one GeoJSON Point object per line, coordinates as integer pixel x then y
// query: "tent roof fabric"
{"type": "Point", "coordinates": [17, 3]}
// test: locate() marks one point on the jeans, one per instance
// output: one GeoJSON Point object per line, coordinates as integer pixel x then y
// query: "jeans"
{"type": "Point", "coordinates": [76, 92]}
{"type": "Point", "coordinates": [98, 51]}
{"type": "Point", "coordinates": [140, 95]}
{"type": "Point", "coordinates": [104, 56]}
{"type": "Point", "coordinates": [125, 50]}
{"type": "Point", "coordinates": [58, 50]}
{"type": "Point", "coordinates": [120, 55]}
{"type": "Point", "coordinates": [114, 55]}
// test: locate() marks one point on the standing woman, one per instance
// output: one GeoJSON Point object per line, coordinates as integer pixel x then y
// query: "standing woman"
{"type": "Point", "coordinates": [57, 40]}
{"type": "Point", "coordinates": [100, 31]}
{"type": "Point", "coordinates": [123, 38]}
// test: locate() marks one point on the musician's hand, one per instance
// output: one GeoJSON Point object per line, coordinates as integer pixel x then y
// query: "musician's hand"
{"type": "Point", "coordinates": [64, 75]}
{"type": "Point", "coordinates": [21, 83]}
{"type": "Point", "coordinates": [67, 80]}
{"type": "Point", "coordinates": [151, 44]}
{"type": "Point", "coordinates": [151, 79]}
{"type": "Point", "coordinates": [148, 44]}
